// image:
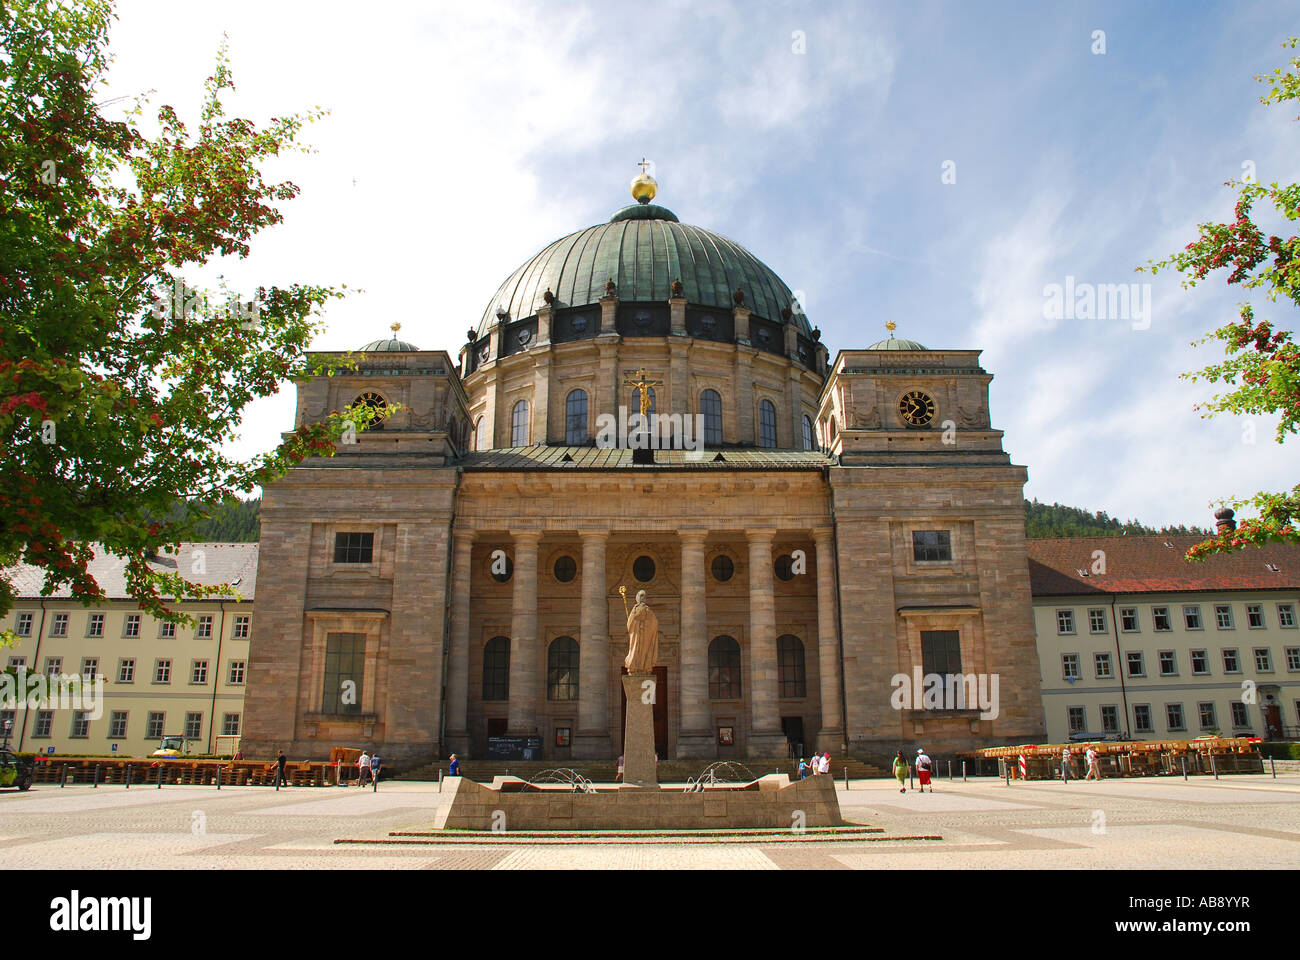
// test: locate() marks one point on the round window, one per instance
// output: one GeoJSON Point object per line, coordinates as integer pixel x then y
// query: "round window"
{"type": "Point", "coordinates": [503, 568]}
{"type": "Point", "coordinates": [784, 567]}
{"type": "Point", "coordinates": [723, 568]}
{"type": "Point", "coordinates": [641, 318]}
{"type": "Point", "coordinates": [708, 322]}
{"type": "Point", "coordinates": [566, 568]}
{"type": "Point", "coordinates": [524, 336]}
{"type": "Point", "coordinates": [579, 323]}
{"type": "Point", "coordinates": [643, 569]}
{"type": "Point", "coordinates": [764, 334]}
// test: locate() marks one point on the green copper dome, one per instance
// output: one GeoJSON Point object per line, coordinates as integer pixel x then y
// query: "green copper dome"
{"type": "Point", "coordinates": [893, 343]}
{"type": "Point", "coordinates": [389, 346]}
{"type": "Point", "coordinates": [643, 248]}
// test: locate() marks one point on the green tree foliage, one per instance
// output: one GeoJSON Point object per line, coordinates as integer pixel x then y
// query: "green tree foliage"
{"type": "Point", "coordinates": [1056, 520]}
{"type": "Point", "coordinates": [119, 385]}
{"type": "Point", "coordinates": [1262, 365]}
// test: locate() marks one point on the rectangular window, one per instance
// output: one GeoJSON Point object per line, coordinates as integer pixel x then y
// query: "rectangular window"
{"type": "Point", "coordinates": [53, 666]}
{"type": "Point", "coordinates": [1223, 616]}
{"type": "Point", "coordinates": [1263, 660]}
{"type": "Point", "coordinates": [131, 625]}
{"type": "Point", "coordinates": [237, 668]}
{"type": "Point", "coordinates": [194, 725]}
{"type": "Point", "coordinates": [1255, 615]}
{"type": "Point", "coordinates": [1141, 718]}
{"type": "Point", "coordinates": [204, 630]}
{"type": "Point", "coordinates": [1101, 665]}
{"type": "Point", "coordinates": [166, 631]}
{"type": "Point", "coordinates": [1231, 663]}
{"type": "Point", "coordinates": [162, 671]}
{"type": "Point", "coordinates": [6, 722]}
{"type": "Point", "coordinates": [1174, 716]}
{"type": "Point", "coordinates": [80, 725]}
{"type": "Point", "coordinates": [1097, 620]}
{"type": "Point", "coordinates": [89, 668]}
{"type": "Point", "coordinates": [1065, 621]}
{"type": "Point", "coordinates": [242, 627]}
{"type": "Point", "coordinates": [126, 670]}
{"type": "Point", "coordinates": [60, 626]}
{"type": "Point", "coordinates": [153, 728]}
{"type": "Point", "coordinates": [1208, 721]}
{"type": "Point", "coordinates": [1192, 618]}
{"type": "Point", "coordinates": [1285, 615]}
{"type": "Point", "coordinates": [1070, 666]}
{"type": "Point", "coordinates": [17, 663]}
{"type": "Point", "coordinates": [1292, 659]}
{"type": "Point", "coordinates": [1078, 719]}
{"type": "Point", "coordinates": [929, 546]}
{"type": "Point", "coordinates": [1160, 617]}
{"type": "Point", "coordinates": [198, 671]}
{"type": "Point", "coordinates": [1128, 619]}
{"type": "Point", "coordinates": [1136, 666]}
{"type": "Point", "coordinates": [1168, 663]}
{"type": "Point", "coordinates": [44, 721]}
{"type": "Point", "coordinates": [354, 547]}
{"type": "Point", "coordinates": [941, 654]}
{"type": "Point", "coordinates": [1240, 718]}
{"type": "Point", "coordinates": [344, 673]}
{"type": "Point", "coordinates": [117, 725]}
{"type": "Point", "coordinates": [23, 624]}
{"type": "Point", "coordinates": [1110, 718]}
{"type": "Point", "coordinates": [230, 725]}
{"type": "Point", "coordinates": [1200, 662]}
{"type": "Point", "coordinates": [95, 625]}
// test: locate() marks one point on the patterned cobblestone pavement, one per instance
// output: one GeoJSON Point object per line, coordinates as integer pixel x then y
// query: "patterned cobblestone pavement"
{"type": "Point", "coordinates": [1161, 823]}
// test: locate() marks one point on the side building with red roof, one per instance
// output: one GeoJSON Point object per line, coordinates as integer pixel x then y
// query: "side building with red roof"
{"type": "Point", "coordinates": [1135, 642]}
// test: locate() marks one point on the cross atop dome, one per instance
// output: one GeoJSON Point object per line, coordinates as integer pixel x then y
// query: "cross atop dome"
{"type": "Point", "coordinates": [644, 186]}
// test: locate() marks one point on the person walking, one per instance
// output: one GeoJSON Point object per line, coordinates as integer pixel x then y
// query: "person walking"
{"type": "Point", "coordinates": [453, 768]}
{"type": "Point", "coordinates": [1065, 764]}
{"type": "Point", "coordinates": [900, 771]}
{"type": "Point", "coordinates": [363, 769]}
{"type": "Point", "coordinates": [923, 769]}
{"type": "Point", "coordinates": [803, 768]}
{"type": "Point", "coordinates": [280, 761]}
{"type": "Point", "coordinates": [375, 764]}
{"type": "Point", "coordinates": [619, 776]}
{"type": "Point", "coordinates": [824, 764]}
{"type": "Point", "coordinates": [1094, 764]}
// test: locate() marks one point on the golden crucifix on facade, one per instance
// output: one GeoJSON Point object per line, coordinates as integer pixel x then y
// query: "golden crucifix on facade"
{"type": "Point", "coordinates": [643, 386]}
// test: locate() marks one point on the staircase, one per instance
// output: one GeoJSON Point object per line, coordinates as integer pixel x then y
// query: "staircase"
{"type": "Point", "coordinates": [603, 771]}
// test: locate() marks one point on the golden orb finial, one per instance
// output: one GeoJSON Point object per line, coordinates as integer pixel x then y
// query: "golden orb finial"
{"type": "Point", "coordinates": [395, 326]}
{"type": "Point", "coordinates": [644, 186]}
{"type": "Point", "coordinates": [891, 326]}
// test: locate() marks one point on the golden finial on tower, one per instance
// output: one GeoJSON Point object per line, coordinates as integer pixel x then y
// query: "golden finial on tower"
{"type": "Point", "coordinates": [395, 326]}
{"type": "Point", "coordinates": [644, 186]}
{"type": "Point", "coordinates": [891, 326]}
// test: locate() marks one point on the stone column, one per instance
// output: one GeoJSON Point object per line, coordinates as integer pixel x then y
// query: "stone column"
{"type": "Point", "coordinates": [831, 735]}
{"type": "Point", "coordinates": [765, 736]}
{"type": "Point", "coordinates": [458, 657]}
{"type": "Point", "coordinates": [525, 670]}
{"type": "Point", "coordinates": [694, 737]}
{"type": "Point", "coordinates": [592, 741]}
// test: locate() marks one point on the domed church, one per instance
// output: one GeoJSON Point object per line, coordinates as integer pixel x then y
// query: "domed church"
{"type": "Point", "coordinates": [834, 548]}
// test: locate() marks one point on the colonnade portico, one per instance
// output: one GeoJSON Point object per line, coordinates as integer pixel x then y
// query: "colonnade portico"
{"type": "Point", "coordinates": [600, 635]}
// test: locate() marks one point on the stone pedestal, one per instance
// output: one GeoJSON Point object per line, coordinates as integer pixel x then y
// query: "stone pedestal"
{"type": "Point", "coordinates": [639, 767]}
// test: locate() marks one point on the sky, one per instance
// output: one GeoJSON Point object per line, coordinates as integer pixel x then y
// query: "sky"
{"type": "Point", "coordinates": [941, 165]}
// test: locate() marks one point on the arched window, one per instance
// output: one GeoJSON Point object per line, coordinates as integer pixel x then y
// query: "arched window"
{"type": "Point", "coordinates": [519, 424]}
{"type": "Point", "coordinates": [496, 669]}
{"type": "Point", "coordinates": [480, 434]}
{"type": "Point", "coordinates": [711, 408]}
{"type": "Point", "coordinates": [767, 424]}
{"type": "Point", "coordinates": [724, 669]}
{"type": "Point", "coordinates": [562, 669]}
{"type": "Point", "coordinates": [791, 678]}
{"type": "Point", "coordinates": [807, 433]}
{"type": "Point", "coordinates": [831, 432]}
{"type": "Point", "coordinates": [575, 418]}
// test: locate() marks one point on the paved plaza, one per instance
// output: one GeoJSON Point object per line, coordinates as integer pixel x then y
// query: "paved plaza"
{"type": "Point", "coordinates": [1131, 823]}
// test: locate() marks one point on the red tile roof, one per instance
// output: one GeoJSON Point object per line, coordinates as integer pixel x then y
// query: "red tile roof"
{"type": "Point", "coordinates": [1154, 565]}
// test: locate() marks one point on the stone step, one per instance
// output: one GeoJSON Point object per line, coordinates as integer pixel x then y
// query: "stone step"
{"type": "Point", "coordinates": [603, 771]}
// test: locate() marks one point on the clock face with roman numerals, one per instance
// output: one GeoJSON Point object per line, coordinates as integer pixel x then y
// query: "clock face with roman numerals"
{"type": "Point", "coordinates": [917, 408]}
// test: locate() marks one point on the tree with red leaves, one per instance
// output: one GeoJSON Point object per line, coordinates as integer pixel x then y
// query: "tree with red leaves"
{"type": "Point", "coordinates": [1262, 365]}
{"type": "Point", "coordinates": [116, 400]}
